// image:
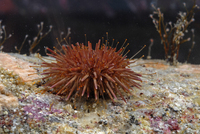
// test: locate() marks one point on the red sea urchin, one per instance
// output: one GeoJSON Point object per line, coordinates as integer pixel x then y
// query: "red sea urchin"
{"type": "Point", "coordinates": [80, 70]}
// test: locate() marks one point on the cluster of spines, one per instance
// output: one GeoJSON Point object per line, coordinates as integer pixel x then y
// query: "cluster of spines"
{"type": "Point", "coordinates": [81, 69]}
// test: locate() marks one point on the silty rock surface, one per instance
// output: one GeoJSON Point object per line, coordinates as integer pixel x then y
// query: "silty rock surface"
{"type": "Point", "coordinates": [167, 103]}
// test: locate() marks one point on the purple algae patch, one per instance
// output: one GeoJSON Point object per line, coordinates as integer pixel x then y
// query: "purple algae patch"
{"type": "Point", "coordinates": [40, 110]}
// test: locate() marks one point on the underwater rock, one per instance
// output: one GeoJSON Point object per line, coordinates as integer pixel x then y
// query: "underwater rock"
{"type": "Point", "coordinates": [18, 66]}
{"type": "Point", "coordinates": [7, 99]}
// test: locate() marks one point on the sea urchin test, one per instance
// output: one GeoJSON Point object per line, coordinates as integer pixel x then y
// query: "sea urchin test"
{"type": "Point", "coordinates": [80, 70]}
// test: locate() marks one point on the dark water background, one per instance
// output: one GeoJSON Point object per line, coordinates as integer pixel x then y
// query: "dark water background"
{"type": "Point", "coordinates": [122, 19]}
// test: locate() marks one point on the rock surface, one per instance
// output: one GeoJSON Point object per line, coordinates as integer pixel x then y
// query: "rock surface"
{"type": "Point", "coordinates": [168, 102]}
{"type": "Point", "coordinates": [18, 66]}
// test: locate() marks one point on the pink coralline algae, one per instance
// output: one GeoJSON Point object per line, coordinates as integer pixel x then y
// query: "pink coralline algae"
{"type": "Point", "coordinates": [38, 110]}
{"type": "Point", "coordinates": [164, 126]}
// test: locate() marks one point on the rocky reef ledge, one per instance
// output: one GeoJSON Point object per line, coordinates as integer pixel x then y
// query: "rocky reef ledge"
{"type": "Point", "coordinates": [168, 102]}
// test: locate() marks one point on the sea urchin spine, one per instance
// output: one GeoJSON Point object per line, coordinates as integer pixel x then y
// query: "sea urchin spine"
{"type": "Point", "coordinates": [80, 70]}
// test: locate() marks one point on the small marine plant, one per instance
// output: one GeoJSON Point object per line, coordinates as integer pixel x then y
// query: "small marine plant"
{"type": "Point", "coordinates": [172, 35]}
{"type": "Point", "coordinates": [149, 51]}
{"type": "Point", "coordinates": [80, 70]}
{"type": "Point", "coordinates": [3, 35]}
{"type": "Point", "coordinates": [36, 39]}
